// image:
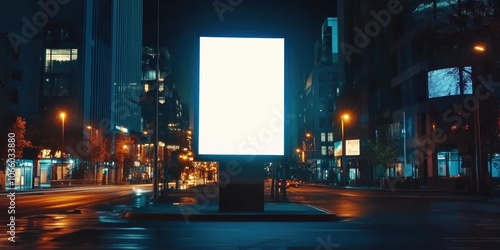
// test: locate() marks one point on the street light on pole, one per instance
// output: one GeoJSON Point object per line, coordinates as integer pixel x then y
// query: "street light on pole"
{"type": "Point", "coordinates": [156, 101]}
{"type": "Point", "coordinates": [478, 48]}
{"type": "Point", "coordinates": [342, 159]}
{"type": "Point", "coordinates": [63, 116]}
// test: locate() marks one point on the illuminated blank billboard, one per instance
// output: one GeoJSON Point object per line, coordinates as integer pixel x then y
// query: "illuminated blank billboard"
{"type": "Point", "coordinates": [241, 96]}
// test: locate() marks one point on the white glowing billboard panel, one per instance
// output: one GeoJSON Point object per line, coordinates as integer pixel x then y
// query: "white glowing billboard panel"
{"type": "Point", "coordinates": [241, 96]}
{"type": "Point", "coordinates": [352, 147]}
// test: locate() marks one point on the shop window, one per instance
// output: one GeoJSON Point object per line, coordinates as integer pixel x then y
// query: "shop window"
{"type": "Point", "coordinates": [450, 164]}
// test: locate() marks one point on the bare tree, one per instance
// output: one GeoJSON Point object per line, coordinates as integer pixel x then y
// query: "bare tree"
{"type": "Point", "coordinates": [123, 149]}
{"type": "Point", "coordinates": [99, 150]}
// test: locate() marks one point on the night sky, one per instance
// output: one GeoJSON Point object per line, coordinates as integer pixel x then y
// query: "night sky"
{"type": "Point", "coordinates": [299, 21]}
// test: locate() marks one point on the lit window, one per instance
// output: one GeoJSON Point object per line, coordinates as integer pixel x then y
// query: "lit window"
{"type": "Point", "coordinates": [446, 82]}
{"type": "Point", "coordinates": [322, 136]}
{"type": "Point", "coordinates": [330, 136]}
{"type": "Point", "coordinates": [323, 150]}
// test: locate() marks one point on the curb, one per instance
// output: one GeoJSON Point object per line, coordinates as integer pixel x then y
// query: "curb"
{"type": "Point", "coordinates": [232, 217]}
{"type": "Point", "coordinates": [188, 214]}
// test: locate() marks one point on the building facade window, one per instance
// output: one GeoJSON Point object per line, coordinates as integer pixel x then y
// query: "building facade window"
{"type": "Point", "coordinates": [322, 137]}
{"type": "Point", "coordinates": [59, 66]}
{"type": "Point", "coordinates": [450, 164]}
{"type": "Point", "coordinates": [322, 122]}
{"type": "Point", "coordinates": [330, 136]}
{"type": "Point", "coordinates": [447, 82]}
{"type": "Point", "coordinates": [323, 150]}
{"type": "Point", "coordinates": [60, 60]}
{"type": "Point", "coordinates": [56, 85]}
{"type": "Point", "coordinates": [331, 163]}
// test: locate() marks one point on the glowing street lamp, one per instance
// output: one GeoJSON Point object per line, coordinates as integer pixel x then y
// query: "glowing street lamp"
{"type": "Point", "coordinates": [300, 153]}
{"type": "Point", "coordinates": [342, 118]}
{"type": "Point", "coordinates": [478, 49]}
{"type": "Point", "coordinates": [63, 116]}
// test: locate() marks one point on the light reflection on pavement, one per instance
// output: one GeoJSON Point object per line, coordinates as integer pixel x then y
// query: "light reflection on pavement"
{"type": "Point", "coordinates": [75, 229]}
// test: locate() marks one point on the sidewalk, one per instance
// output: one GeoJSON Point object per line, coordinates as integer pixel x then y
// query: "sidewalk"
{"type": "Point", "coordinates": [201, 204]}
{"type": "Point", "coordinates": [289, 212]}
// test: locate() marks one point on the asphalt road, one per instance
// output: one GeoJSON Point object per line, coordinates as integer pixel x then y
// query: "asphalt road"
{"type": "Point", "coordinates": [369, 220]}
{"type": "Point", "coordinates": [60, 200]}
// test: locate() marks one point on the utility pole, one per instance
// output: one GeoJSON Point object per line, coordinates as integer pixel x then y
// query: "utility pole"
{"type": "Point", "coordinates": [156, 101]}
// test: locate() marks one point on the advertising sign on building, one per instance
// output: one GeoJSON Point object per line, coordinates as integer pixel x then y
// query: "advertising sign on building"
{"type": "Point", "coordinates": [352, 147]}
{"type": "Point", "coordinates": [338, 148]}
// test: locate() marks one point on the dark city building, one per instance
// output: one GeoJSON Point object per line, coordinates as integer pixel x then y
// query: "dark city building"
{"type": "Point", "coordinates": [80, 67]}
{"type": "Point", "coordinates": [417, 68]}
{"type": "Point", "coordinates": [319, 98]}
{"type": "Point", "coordinates": [173, 120]}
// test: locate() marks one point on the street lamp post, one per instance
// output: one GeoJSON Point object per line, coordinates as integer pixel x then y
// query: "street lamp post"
{"type": "Point", "coordinates": [91, 149]}
{"type": "Point", "coordinates": [478, 48]}
{"type": "Point", "coordinates": [63, 116]}
{"type": "Point", "coordinates": [342, 159]}
{"type": "Point", "coordinates": [309, 135]}
{"type": "Point", "coordinates": [156, 101]}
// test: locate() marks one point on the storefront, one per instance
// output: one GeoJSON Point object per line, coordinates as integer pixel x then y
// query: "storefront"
{"type": "Point", "coordinates": [23, 175]}
{"type": "Point", "coordinates": [54, 169]}
{"type": "Point", "coordinates": [450, 164]}
{"type": "Point", "coordinates": [494, 167]}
